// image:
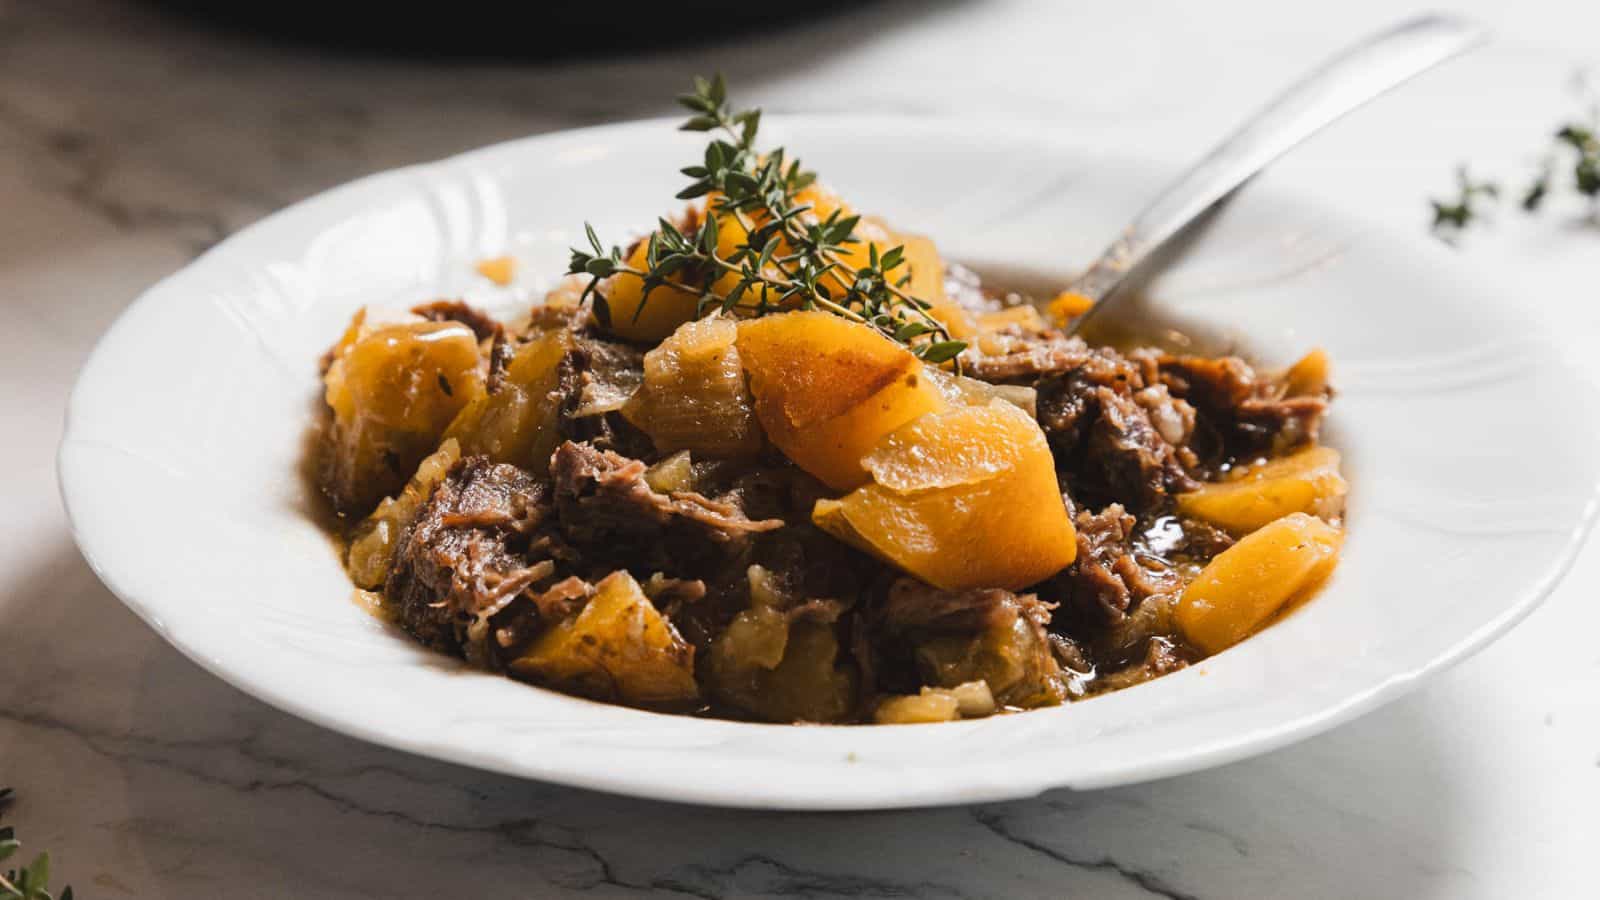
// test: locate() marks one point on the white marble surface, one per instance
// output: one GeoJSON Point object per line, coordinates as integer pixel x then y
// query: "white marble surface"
{"type": "Point", "coordinates": [128, 143]}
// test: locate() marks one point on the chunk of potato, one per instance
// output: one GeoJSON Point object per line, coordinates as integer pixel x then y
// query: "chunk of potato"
{"type": "Point", "coordinates": [827, 389]}
{"type": "Point", "coordinates": [781, 671]}
{"type": "Point", "coordinates": [971, 700]}
{"type": "Point", "coordinates": [961, 499]}
{"type": "Point", "coordinates": [617, 648]}
{"type": "Point", "coordinates": [923, 266]}
{"type": "Point", "coordinates": [1303, 482]}
{"type": "Point", "coordinates": [393, 388]}
{"type": "Point", "coordinates": [694, 395]}
{"type": "Point", "coordinates": [372, 548]}
{"type": "Point", "coordinates": [1309, 376]}
{"type": "Point", "coordinates": [1023, 317]}
{"type": "Point", "coordinates": [959, 390]}
{"type": "Point", "coordinates": [916, 709]}
{"type": "Point", "coordinates": [1247, 584]}
{"type": "Point", "coordinates": [517, 423]}
{"type": "Point", "coordinates": [823, 202]}
{"type": "Point", "coordinates": [1066, 306]}
{"type": "Point", "coordinates": [636, 316]}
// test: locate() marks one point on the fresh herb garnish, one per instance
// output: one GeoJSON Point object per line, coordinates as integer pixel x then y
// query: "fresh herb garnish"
{"type": "Point", "coordinates": [1578, 146]}
{"type": "Point", "coordinates": [1450, 217]}
{"type": "Point", "coordinates": [789, 258]}
{"type": "Point", "coordinates": [32, 882]}
{"type": "Point", "coordinates": [1575, 151]}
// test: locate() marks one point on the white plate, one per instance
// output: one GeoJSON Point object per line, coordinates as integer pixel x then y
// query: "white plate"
{"type": "Point", "coordinates": [1471, 449]}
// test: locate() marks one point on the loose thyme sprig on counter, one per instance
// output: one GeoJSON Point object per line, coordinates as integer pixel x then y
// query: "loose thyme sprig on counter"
{"type": "Point", "coordinates": [32, 882]}
{"type": "Point", "coordinates": [1451, 216]}
{"type": "Point", "coordinates": [1575, 150]}
{"type": "Point", "coordinates": [787, 259]}
{"type": "Point", "coordinates": [1579, 142]}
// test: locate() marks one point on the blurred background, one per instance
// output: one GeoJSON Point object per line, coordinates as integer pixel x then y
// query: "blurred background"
{"type": "Point", "coordinates": [134, 134]}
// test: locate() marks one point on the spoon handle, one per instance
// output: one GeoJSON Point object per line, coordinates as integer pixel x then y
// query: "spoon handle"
{"type": "Point", "coordinates": [1345, 82]}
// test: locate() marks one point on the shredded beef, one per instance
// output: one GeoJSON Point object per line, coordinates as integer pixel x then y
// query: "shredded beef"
{"type": "Point", "coordinates": [482, 324]}
{"type": "Point", "coordinates": [465, 557]}
{"type": "Point", "coordinates": [1160, 657]}
{"type": "Point", "coordinates": [545, 317]}
{"type": "Point", "coordinates": [913, 604]}
{"type": "Point", "coordinates": [606, 509]}
{"type": "Point", "coordinates": [1107, 445]}
{"type": "Point", "coordinates": [1243, 413]}
{"type": "Point", "coordinates": [1025, 359]}
{"type": "Point", "coordinates": [950, 637]}
{"type": "Point", "coordinates": [596, 378]}
{"type": "Point", "coordinates": [1108, 579]}
{"type": "Point", "coordinates": [1137, 427]}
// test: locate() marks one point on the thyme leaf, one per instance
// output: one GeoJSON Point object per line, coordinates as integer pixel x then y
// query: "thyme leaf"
{"type": "Point", "coordinates": [31, 882]}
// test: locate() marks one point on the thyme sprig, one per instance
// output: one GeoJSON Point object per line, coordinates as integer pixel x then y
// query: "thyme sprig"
{"type": "Point", "coordinates": [1466, 207]}
{"type": "Point", "coordinates": [1575, 152]}
{"type": "Point", "coordinates": [31, 882]}
{"type": "Point", "coordinates": [1577, 144]}
{"type": "Point", "coordinates": [789, 256]}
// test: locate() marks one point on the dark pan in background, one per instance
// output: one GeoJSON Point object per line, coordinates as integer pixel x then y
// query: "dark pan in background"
{"type": "Point", "coordinates": [527, 31]}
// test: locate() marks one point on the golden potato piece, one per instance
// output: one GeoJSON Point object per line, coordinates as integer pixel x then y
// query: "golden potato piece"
{"type": "Point", "coordinates": [781, 671]}
{"type": "Point", "coordinates": [827, 389]}
{"type": "Point", "coordinates": [1023, 317]}
{"type": "Point", "coordinates": [517, 423]}
{"type": "Point", "coordinates": [949, 450]}
{"type": "Point", "coordinates": [647, 319]}
{"type": "Point", "coordinates": [917, 709]}
{"type": "Point", "coordinates": [962, 499]}
{"type": "Point", "coordinates": [1066, 306]}
{"type": "Point", "coordinates": [1247, 584]}
{"type": "Point", "coordinates": [1309, 376]}
{"type": "Point", "coordinates": [694, 396]}
{"type": "Point", "coordinates": [969, 700]}
{"type": "Point", "coordinates": [501, 270]}
{"type": "Point", "coordinates": [1303, 482]}
{"type": "Point", "coordinates": [617, 648]}
{"type": "Point", "coordinates": [923, 266]}
{"type": "Point", "coordinates": [393, 388]}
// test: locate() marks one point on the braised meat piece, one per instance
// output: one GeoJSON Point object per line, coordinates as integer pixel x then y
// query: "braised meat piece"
{"type": "Point", "coordinates": [596, 378]}
{"type": "Point", "coordinates": [1241, 413]}
{"type": "Point", "coordinates": [1137, 427]}
{"type": "Point", "coordinates": [606, 509]}
{"type": "Point", "coordinates": [950, 638]}
{"type": "Point", "coordinates": [911, 604]}
{"type": "Point", "coordinates": [1026, 358]}
{"type": "Point", "coordinates": [482, 324]}
{"type": "Point", "coordinates": [1111, 576]}
{"type": "Point", "coordinates": [470, 553]}
{"type": "Point", "coordinates": [1115, 437]}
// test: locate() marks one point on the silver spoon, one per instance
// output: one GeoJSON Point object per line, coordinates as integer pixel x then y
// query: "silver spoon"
{"type": "Point", "coordinates": [1344, 83]}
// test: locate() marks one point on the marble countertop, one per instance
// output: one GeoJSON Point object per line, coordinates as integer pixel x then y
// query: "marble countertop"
{"type": "Point", "coordinates": [130, 142]}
